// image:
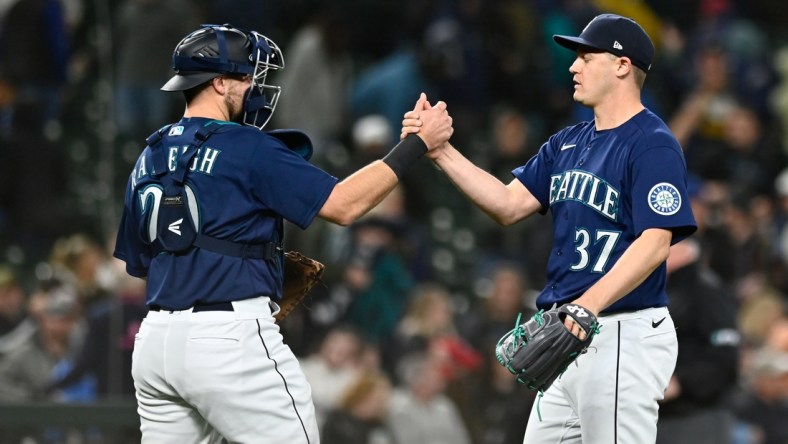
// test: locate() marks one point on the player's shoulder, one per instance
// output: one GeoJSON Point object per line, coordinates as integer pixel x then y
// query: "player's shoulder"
{"type": "Point", "coordinates": [654, 131]}
{"type": "Point", "coordinates": [237, 132]}
{"type": "Point", "coordinates": [246, 138]}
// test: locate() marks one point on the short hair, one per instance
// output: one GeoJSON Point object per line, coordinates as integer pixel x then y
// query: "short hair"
{"type": "Point", "coordinates": [640, 76]}
{"type": "Point", "coordinates": [638, 73]}
{"type": "Point", "coordinates": [191, 93]}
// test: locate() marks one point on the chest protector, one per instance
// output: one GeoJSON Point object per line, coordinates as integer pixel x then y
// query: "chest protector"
{"type": "Point", "coordinates": [176, 229]}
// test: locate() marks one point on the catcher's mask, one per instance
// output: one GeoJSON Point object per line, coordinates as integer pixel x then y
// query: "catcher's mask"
{"type": "Point", "coordinates": [214, 50]}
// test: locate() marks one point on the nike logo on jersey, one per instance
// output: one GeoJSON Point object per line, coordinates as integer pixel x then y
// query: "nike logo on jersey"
{"type": "Point", "coordinates": [567, 146]}
{"type": "Point", "coordinates": [656, 324]}
{"type": "Point", "coordinates": [175, 227]}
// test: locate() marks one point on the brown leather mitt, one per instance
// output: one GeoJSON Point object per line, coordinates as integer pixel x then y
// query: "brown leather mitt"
{"type": "Point", "coordinates": [301, 274]}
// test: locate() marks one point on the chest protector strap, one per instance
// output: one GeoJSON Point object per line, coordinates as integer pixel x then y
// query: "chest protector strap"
{"type": "Point", "coordinates": [176, 229]}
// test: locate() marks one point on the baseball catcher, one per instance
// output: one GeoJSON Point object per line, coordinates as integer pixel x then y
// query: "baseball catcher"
{"type": "Point", "coordinates": [203, 222]}
{"type": "Point", "coordinates": [539, 350]}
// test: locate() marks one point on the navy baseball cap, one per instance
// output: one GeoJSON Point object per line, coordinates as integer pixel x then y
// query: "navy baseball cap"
{"type": "Point", "coordinates": [617, 35]}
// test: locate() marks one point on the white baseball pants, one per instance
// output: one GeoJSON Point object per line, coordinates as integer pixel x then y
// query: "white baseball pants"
{"type": "Point", "coordinates": [610, 394]}
{"type": "Point", "coordinates": [220, 376]}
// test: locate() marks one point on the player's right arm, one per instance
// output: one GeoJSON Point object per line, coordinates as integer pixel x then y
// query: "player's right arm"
{"type": "Point", "coordinates": [505, 204]}
{"type": "Point", "coordinates": [363, 190]}
{"type": "Point", "coordinates": [358, 193]}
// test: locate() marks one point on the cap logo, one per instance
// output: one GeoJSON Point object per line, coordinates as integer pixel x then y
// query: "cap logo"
{"type": "Point", "coordinates": [617, 46]}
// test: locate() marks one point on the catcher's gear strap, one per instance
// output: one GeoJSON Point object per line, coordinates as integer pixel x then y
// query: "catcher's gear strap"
{"type": "Point", "coordinates": [265, 250]}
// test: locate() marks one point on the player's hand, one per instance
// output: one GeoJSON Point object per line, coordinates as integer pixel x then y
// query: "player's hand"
{"type": "Point", "coordinates": [575, 328]}
{"type": "Point", "coordinates": [432, 123]}
{"type": "Point", "coordinates": [674, 389]}
{"type": "Point", "coordinates": [411, 123]}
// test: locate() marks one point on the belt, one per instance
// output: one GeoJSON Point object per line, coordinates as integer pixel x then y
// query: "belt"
{"type": "Point", "coordinates": [200, 306]}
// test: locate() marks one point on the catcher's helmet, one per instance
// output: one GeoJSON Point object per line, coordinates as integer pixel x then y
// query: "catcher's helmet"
{"type": "Point", "coordinates": [214, 50]}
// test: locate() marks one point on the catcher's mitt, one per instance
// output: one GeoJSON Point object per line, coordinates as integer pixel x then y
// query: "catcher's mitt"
{"type": "Point", "coordinates": [301, 274]}
{"type": "Point", "coordinates": [538, 351]}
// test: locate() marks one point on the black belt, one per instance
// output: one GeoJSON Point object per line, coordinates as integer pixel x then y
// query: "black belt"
{"type": "Point", "coordinates": [199, 306]}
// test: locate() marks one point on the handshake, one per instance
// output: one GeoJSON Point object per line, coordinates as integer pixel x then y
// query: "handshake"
{"type": "Point", "coordinates": [432, 124]}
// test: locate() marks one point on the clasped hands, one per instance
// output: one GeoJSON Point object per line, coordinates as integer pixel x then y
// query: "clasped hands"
{"type": "Point", "coordinates": [432, 123]}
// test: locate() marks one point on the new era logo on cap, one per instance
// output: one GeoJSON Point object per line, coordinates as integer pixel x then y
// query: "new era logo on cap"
{"type": "Point", "coordinates": [629, 39]}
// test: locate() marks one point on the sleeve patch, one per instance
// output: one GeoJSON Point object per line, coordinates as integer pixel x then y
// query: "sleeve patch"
{"type": "Point", "coordinates": [664, 199]}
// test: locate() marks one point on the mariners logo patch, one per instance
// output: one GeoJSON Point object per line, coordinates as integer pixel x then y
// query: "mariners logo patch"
{"type": "Point", "coordinates": [664, 199]}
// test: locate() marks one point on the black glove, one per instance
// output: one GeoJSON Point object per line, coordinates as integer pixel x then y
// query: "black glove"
{"type": "Point", "coordinates": [538, 351]}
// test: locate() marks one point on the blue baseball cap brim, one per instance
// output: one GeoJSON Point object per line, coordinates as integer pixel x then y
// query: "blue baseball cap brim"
{"type": "Point", "coordinates": [620, 36]}
{"type": "Point", "coordinates": [573, 42]}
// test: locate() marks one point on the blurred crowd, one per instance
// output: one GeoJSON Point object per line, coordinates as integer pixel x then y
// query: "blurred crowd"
{"type": "Point", "coordinates": [398, 342]}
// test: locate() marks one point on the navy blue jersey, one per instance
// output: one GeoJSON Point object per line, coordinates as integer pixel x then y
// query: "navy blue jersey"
{"type": "Point", "coordinates": [244, 183]}
{"type": "Point", "coordinates": [604, 188]}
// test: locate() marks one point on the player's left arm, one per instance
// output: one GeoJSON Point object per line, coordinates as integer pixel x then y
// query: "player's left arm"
{"type": "Point", "coordinates": [637, 262]}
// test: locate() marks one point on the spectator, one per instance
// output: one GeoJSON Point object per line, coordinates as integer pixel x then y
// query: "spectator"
{"type": "Point", "coordinates": [699, 121]}
{"type": "Point", "coordinates": [16, 328]}
{"type": "Point", "coordinates": [420, 411]}
{"type": "Point", "coordinates": [709, 200]}
{"type": "Point", "coordinates": [319, 67]}
{"type": "Point", "coordinates": [361, 413]}
{"type": "Point", "coordinates": [458, 364]}
{"type": "Point", "coordinates": [80, 261]}
{"type": "Point", "coordinates": [377, 276]}
{"type": "Point", "coordinates": [105, 354]}
{"type": "Point", "coordinates": [25, 371]}
{"type": "Point", "coordinates": [370, 265]}
{"type": "Point", "coordinates": [143, 60]}
{"type": "Point", "coordinates": [761, 307]}
{"type": "Point", "coordinates": [429, 315]}
{"type": "Point", "coordinates": [500, 404]}
{"type": "Point", "coordinates": [511, 141]}
{"type": "Point", "coordinates": [694, 409]}
{"type": "Point", "coordinates": [763, 406]}
{"type": "Point", "coordinates": [332, 369]}
{"type": "Point", "coordinates": [503, 295]}
{"type": "Point", "coordinates": [442, 63]}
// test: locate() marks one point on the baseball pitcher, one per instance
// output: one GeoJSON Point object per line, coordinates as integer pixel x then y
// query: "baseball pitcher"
{"type": "Point", "coordinates": [603, 346]}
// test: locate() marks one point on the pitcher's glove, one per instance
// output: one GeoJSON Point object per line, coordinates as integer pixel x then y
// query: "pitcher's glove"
{"type": "Point", "coordinates": [301, 274]}
{"type": "Point", "coordinates": [538, 351]}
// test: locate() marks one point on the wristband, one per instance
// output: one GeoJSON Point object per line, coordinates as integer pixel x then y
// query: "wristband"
{"type": "Point", "coordinates": [405, 154]}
